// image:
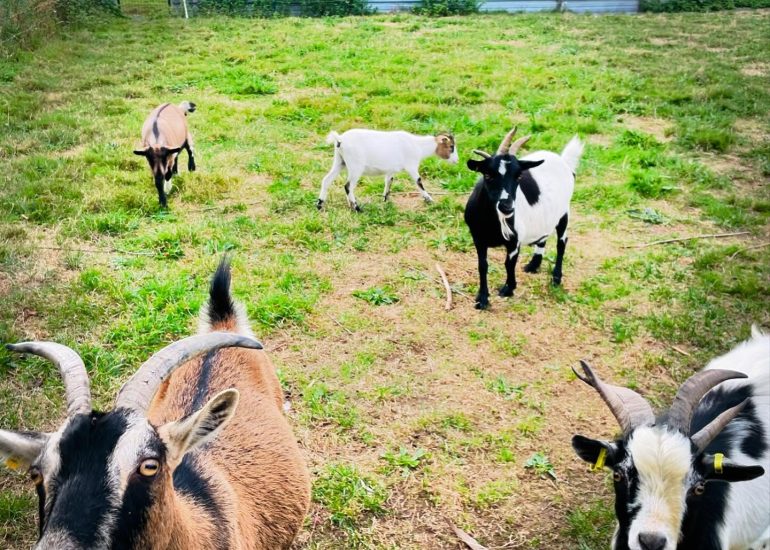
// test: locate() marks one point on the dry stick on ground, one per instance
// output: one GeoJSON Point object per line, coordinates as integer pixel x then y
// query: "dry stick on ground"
{"type": "Point", "coordinates": [712, 236]}
{"type": "Point", "coordinates": [448, 289]}
{"type": "Point", "coordinates": [755, 247]}
{"type": "Point", "coordinates": [680, 350]}
{"type": "Point", "coordinates": [343, 327]}
{"type": "Point", "coordinates": [468, 540]}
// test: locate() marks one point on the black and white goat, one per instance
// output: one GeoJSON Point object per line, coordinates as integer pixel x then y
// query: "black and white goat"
{"type": "Point", "coordinates": [672, 473]}
{"type": "Point", "coordinates": [164, 135]}
{"type": "Point", "coordinates": [372, 153]}
{"type": "Point", "coordinates": [520, 201]}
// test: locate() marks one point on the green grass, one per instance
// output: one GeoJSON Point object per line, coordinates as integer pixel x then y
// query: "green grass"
{"type": "Point", "coordinates": [409, 414]}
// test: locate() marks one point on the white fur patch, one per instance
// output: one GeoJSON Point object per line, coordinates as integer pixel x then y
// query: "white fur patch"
{"type": "Point", "coordinates": [503, 168]}
{"type": "Point", "coordinates": [504, 195]}
{"type": "Point", "coordinates": [662, 459]}
{"type": "Point", "coordinates": [539, 250]}
{"type": "Point", "coordinates": [506, 231]}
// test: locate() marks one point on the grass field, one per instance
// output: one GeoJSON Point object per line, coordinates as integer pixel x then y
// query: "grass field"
{"type": "Point", "coordinates": [409, 415]}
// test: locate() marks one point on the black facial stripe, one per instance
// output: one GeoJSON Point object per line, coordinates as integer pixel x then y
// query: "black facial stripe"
{"type": "Point", "coordinates": [80, 494]}
{"type": "Point", "coordinates": [137, 501]}
{"type": "Point", "coordinates": [188, 480]}
{"type": "Point", "coordinates": [40, 490]}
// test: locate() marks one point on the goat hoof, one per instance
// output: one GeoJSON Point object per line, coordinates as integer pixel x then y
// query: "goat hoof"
{"type": "Point", "coordinates": [506, 291]}
{"type": "Point", "coordinates": [428, 200]}
{"type": "Point", "coordinates": [557, 281]}
{"type": "Point", "coordinates": [357, 208]}
{"type": "Point", "coordinates": [319, 204]}
{"type": "Point", "coordinates": [529, 268]}
{"type": "Point", "coordinates": [482, 303]}
{"type": "Point", "coordinates": [385, 198]}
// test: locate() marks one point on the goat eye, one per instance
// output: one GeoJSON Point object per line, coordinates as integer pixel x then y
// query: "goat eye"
{"type": "Point", "coordinates": [699, 489]}
{"type": "Point", "coordinates": [617, 476]}
{"type": "Point", "coordinates": [35, 475]}
{"type": "Point", "coordinates": [149, 467]}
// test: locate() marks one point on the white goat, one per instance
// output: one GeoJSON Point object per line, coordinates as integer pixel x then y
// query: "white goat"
{"type": "Point", "coordinates": [371, 153]}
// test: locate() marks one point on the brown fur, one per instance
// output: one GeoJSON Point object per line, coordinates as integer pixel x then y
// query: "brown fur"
{"type": "Point", "coordinates": [172, 127]}
{"type": "Point", "coordinates": [445, 145]}
{"type": "Point", "coordinates": [257, 473]}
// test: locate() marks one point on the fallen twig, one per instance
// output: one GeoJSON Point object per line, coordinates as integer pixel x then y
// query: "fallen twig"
{"type": "Point", "coordinates": [680, 350]}
{"type": "Point", "coordinates": [343, 327]}
{"type": "Point", "coordinates": [755, 247]}
{"type": "Point", "coordinates": [448, 289]}
{"type": "Point", "coordinates": [468, 540]}
{"type": "Point", "coordinates": [712, 236]}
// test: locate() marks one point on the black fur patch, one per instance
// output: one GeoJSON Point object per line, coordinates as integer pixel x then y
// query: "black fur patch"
{"type": "Point", "coordinates": [190, 481]}
{"type": "Point", "coordinates": [221, 306]}
{"type": "Point", "coordinates": [529, 187]}
{"type": "Point", "coordinates": [81, 494]}
{"type": "Point", "coordinates": [204, 381]}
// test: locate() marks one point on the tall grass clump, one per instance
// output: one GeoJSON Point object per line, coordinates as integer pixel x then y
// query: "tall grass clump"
{"type": "Point", "coordinates": [23, 22]}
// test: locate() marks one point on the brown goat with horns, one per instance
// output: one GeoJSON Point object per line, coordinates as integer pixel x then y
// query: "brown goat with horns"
{"type": "Point", "coordinates": [178, 464]}
{"type": "Point", "coordinates": [164, 135]}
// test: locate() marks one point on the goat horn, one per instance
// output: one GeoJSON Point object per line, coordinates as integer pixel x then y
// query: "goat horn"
{"type": "Point", "coordinates": [706, 435]}
{"type": "Point", "coordinates": [71, 368]}
{"type": "Point", "coordinates": [518, 145]}
{"type": "Point", "coordinates": [138, 392]}
{"type": "Point", "coordinates": [630, 409]}
{"type": "Point", "coordinates": [690, 394]}
{"type": "Point", "coordinates": [506, 143]}
{"type": "Point", "coordinates": [481, 153]}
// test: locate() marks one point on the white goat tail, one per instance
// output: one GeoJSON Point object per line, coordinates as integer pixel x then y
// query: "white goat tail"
{"type": "Point", "coordinates": [572, 152]}
{"type": "Point", "coordinates": [333, 138]}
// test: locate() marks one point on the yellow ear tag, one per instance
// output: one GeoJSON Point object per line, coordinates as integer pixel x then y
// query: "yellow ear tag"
{"type": "Point", "coordinates": [12, 463]}
{"type": "Point", "coordinates": [718, 458]}
{"type": "Point", "coordinates": [599, 460]}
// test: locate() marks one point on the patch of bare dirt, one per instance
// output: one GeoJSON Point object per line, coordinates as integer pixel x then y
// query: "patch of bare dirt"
{"type": "Point", "coordinates": [657, 127]}
{"type": "Point", "coordinates": [599, 139]}
{"type": "Point", "coordinates": [756, 69]}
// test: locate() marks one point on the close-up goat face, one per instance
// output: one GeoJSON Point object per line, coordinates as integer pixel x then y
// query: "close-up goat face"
{"type": "Point", "coordinates": [501, 175]}
{"type": "Point", "coordinates": [161, 161]}
{"type": "Point", "coordinates": [662, 475]}
{"type": "Point", "coordinates": [106, 480]}
{"type": "Point", "coordinates": [446, 148]}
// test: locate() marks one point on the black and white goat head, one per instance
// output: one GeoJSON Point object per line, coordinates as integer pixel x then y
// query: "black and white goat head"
{"type": "Point", "coordinates": [673, 474]}
{"type": "Point", "coordinates": [520, 201]}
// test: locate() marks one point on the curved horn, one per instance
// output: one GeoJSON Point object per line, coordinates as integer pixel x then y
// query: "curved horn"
{"type": "Point", "coordinates": [630, 409]}
{"type": "Point", "coordinates": [71, 368]}
{"type": "Point", "coordinates": [506, 143]}
{"type": "Point", "coordinates": [518, 144]}
{"type": "Point", "coordinates": [138, 392]}
{"type": "Point", "coordinates": [690, 394]}
{"type": "Point", "coordinates": [706, 435]}
{"type": "Point", "coordinates": [481, 153]}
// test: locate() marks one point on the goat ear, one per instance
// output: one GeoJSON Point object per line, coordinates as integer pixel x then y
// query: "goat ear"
{"type": "Point", "coordinates": [724, 469]}
{"type": "Point", "coordinates": [475, 165]}
{"type": "Point", "coordinates": [529, 164]}
{"type": "Point", "coordinates": [18, 450]}
{"type": "Point", "coordinates": [141, 152]}
{"type": "Point", "coordinates": [590, 449]}
{"type": "Point", "coordinates": [198, 428]}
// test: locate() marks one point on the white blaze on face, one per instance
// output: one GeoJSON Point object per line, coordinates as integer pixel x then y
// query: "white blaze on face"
{"type": "Point", "coordinates": [662, 460]}
{"type": "Point", "coordinates": [503, 168]}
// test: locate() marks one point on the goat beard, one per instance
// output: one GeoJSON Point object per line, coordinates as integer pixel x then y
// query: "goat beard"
{"type": "Point", "coordinates": [504, 227]}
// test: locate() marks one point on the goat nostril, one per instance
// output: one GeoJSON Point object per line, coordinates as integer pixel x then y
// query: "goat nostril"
{"type": "Point", "coordinates": [652, 541]}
